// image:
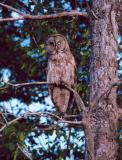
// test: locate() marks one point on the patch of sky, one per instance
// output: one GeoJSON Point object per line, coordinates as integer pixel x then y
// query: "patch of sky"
{"type": "Point", "coordinates": [15, 107]}
{"type": "Point", "coordinates": [52, 4]}
{"type": "Point", "coordinates": [42, 140]}
{"type": "Point", "coordinates": [25, 42]}
{"type": "Point", "coordinates": [82, 26]}
{"type": "Point", "coordinates": [36, 106]}
{"type": "Point", "coordinates": [32, 8]}
{"type": "Point", "coordinates": [1, 13]}
{"type": "Point", "coordinates": [67, 6]}
{"type": "Point", "coordinates": [5, 74]}
{"type": "Point", "coordinates": [18, 23]}
{"type": "Point", "coordinates": [119, 57]}
{"type": "Point", "coordinates": [16, 38]}
{"type": "Point", "coordinates": [34, 53]}
{"type": "Point", "coordinates": [25, 2]}
{"type": "Point", "coordinates": [45, 10]}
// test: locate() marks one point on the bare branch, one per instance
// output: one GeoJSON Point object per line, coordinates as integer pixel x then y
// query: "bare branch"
{"type": "Point", "coordinates": [9, 123]}
{"type": "Point", "coordinates": [46, 17]}
{"type": "Point", "coordinates": [81, 123]}
{"type": "Point", "coordinates": [4, 117]}
{"type": "Point", "coordinates": [25, 153]}
{"type": "Point", "coordinates": [44, 113]}
{"type": "Point", "coordinates": [11, 8]}
{"type": "Point", "coordinates": [78, 100]}
{"type": "Point", "coordinates": [90, 10]}
{"type": "Point", "coordinates": [61, 120]}
{"type": "Point", "coordinates": [27, 84]}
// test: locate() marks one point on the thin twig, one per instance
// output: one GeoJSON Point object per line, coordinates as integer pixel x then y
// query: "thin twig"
{"type": "Point", "coordinates": [27, 84]}
{"type": "Point", "coordinates": [1, 123]}
{"type": "Point", "coordinates": [72, 116]}
{"type": "Point", "coordinates": [72, 122]}
{"type": "Point", "coordinates": [61, 120]}
{"type": "Point", "coordinates": [22, 150]}
{"type": "Point", "coordinates": [4, 118]}
{"type": "Point", "coordinates": [11, 8]}
{"type": "Point", "coordinates": [9, 123]}
{"type": "Point", "coordinates": [90, 10]}
{"type": "Point", "coordinates": [44, 113]}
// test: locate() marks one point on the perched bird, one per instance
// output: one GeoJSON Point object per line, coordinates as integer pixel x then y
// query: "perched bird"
{"type": "Point", "coordinates": [61, 69]}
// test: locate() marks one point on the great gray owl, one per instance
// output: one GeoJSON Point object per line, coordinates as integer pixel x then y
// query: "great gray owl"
{"type": "Point", "coordinates": [61, 69]}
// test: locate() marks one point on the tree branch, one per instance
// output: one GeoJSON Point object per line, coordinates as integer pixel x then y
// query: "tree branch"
{"type": "Point", "coordinates": [46, 17]}
{"type": "Point", "coordinates": [61, 120]}
{"type": "Point", "coordinates": [78, 100]}
{"type": "Point", "coordinates": [40, 17]}
{"type": "Point", "coordinates": [27, 84]}
{"type": "Point", "coordinates": [4, 117]}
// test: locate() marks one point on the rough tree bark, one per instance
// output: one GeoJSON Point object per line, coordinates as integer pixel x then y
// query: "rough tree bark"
{"type": "Point", "coordinates": [103, 72]}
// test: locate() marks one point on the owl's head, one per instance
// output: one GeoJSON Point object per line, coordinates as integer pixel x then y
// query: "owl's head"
{"type": "Point", "coordinates": [56, 43]}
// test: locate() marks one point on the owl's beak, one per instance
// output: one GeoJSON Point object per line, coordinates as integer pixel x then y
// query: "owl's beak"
{"type": "Point", "coordinates": [56, 47]}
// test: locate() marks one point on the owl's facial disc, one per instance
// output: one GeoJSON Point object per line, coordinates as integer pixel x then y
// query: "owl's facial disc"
{"type": "Point", "coordinates": [50, 46]}
{"type": "Point", "coordinates": [60, 43]}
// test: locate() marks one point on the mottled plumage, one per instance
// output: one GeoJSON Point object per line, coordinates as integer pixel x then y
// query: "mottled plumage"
{"type": "Point", "coordinates": [61, 68]}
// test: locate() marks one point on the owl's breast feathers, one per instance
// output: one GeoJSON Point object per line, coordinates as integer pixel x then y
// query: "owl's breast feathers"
{"type": "Point", "coordinates": [61, 68]}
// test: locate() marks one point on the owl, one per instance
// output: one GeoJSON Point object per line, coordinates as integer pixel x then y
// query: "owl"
{"type": "Point", "coordinates": [61, 68]}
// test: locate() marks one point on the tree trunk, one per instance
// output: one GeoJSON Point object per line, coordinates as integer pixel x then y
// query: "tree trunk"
{"type": "Point", "coordinates": [103, 73]}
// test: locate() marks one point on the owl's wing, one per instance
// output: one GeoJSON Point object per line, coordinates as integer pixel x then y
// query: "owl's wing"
{"type": "Point", "coordinates": [73, 86]}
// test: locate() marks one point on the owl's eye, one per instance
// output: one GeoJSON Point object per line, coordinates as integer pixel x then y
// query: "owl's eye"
{"type": "Point", "coordinates": [58, 43]}
{"type": "Point", "coordinates": [51, 43]}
